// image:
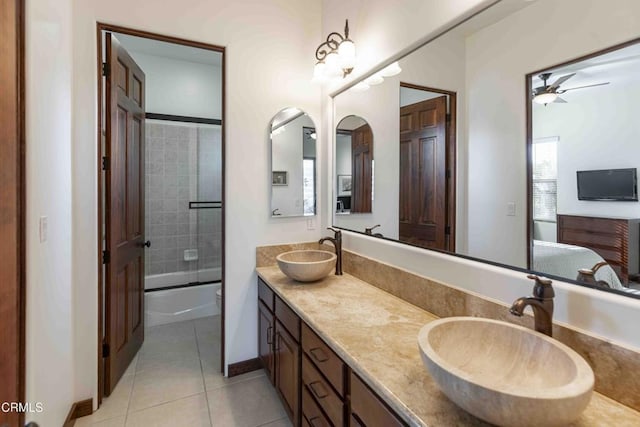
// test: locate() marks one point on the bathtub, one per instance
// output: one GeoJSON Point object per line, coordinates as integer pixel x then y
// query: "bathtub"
{"type": "Point", "coordinates": [176, 305]}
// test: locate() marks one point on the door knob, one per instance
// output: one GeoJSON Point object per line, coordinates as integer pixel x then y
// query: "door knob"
{"type": "Point", "coordinates": [147, 244]}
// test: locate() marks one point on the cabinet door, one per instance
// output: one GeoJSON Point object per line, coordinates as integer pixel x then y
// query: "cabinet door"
{"type": "Point", "coordinates": [367, 409]}
{"type": "Point", "coordinates": [287, 370]}
{"type": "Point", "coordinates": [265, 339]}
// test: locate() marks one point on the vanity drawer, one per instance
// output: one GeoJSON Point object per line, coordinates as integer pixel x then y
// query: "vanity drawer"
{"type": "Point", "coordinates": [367, 409]}
{"type": "Point", "coordinates": [311, 413]}
{"type": "Point", "coordinates": [327, 362]}
{"type": "Point", "coordinates": [265, 294]}
{"type": "Point", "coordinates": [288, 318]}
{"type": "Point", "coordinates": [322, 392]}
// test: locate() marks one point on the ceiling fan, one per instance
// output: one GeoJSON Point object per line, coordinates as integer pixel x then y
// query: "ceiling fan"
{"type": "Point", "coordinates": [547, 94]}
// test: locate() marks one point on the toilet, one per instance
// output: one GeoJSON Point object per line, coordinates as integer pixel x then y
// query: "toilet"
{"type": "Point", "coordinates": [219, 298]}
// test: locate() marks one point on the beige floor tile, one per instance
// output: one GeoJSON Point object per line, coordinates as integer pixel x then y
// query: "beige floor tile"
{"type": "Point", "coordinates": [213, 380]}
{"type": "Point", "coordinates": [166, 382]}
{"type": "Point", "coordinates": [284, 422]}
{"type": "Point", "coordinates": [113, 406]}
{"type": "Point", "coordinates": [245, 404]}
{"type": "Point", "coordinates": [191, 411]}
{"type": "Point", "coordinates": [170, 332]}
{"type": "Point", "coordinates": [156, 353]}
{"type": "Point", "coordinates": [112, 422]}
{"type": "Point", "coordinates": [208, 328]}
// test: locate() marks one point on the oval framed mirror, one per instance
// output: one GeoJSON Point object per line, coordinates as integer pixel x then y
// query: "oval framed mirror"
{"type": "Point", "coordinates": [292, 138]}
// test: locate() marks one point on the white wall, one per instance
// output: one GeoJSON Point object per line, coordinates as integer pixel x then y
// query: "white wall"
{"type": "Point", "coordinates": [250, 30]}
{"type": "Point", "coordinates": [496, 67]}
{"type": "Point", "coordinates": [598, 129]}
{"type": "Point", "coordinates": [50, 356]}
{"type": "Point", "coordinates": [181, 88]}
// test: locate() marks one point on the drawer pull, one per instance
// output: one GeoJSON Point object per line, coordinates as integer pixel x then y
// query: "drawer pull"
{"type": "Point", "coordinates": [313, 421]}
{"type": "Point", "coordinates": [318, 354]}
{"type": "Point", "coordinates": [320, 395]}
{"type": "Point", "coordinates": [269, 335]}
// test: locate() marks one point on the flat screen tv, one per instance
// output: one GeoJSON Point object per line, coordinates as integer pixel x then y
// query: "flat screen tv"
{"type": "Point", "coordinates": [607, 185]}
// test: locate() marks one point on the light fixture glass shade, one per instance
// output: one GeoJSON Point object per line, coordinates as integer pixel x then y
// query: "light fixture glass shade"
{"type": "Point", "coordinates": [313, 135]}
{"type": "Point", "coordinates": [545, 98]}
{"type": "Point", "coordinates": [347, 53]}
{"type": "Point", "coordinates": [319, 74]}
{"type": "Point", "coordinates": [391, 70]}
{"type": "Point", "coordinates": [332, 69]}
{"type": "Point", "coordinates": [360, 87]}
{"type": "Point", "coordinates": [376, 79]}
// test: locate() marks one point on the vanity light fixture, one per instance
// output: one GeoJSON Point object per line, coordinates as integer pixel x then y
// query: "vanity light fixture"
{"type": "Point", "coordinates": [335, 57]}
{"type": "Point", "coordinates": [378, 78]}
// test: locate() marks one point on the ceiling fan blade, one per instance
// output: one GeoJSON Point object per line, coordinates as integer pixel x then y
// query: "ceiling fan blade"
{"type": "Point", "coordinates": [560, 100]}
{"type": "Point", "coordinates": [561, 80]}
{"type": "Point", "coordinates": [583, 87]}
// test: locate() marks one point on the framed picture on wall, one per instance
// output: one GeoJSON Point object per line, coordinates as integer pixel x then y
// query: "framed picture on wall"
{"type": "Point", "coordinates": [279, 178]}
{"type": "Point", "coordinates": [344, 185]}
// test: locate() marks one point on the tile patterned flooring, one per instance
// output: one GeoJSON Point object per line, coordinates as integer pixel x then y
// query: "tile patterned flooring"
{"type": "Point", "coordinates": [175, 381]}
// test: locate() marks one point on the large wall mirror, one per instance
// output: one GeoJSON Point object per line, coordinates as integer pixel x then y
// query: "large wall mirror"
{"type": "Point", "coordinates": [354, 166]}
{"type": "Point", "coordinates": [293, 164]}
{"type": "Point", "coordinates": [503, 142]}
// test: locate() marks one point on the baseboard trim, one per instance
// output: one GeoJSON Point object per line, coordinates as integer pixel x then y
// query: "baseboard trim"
{"type": "Point", "coordinates": [78, 409]}
{"type": "Point", "coordinates": [244, 367]}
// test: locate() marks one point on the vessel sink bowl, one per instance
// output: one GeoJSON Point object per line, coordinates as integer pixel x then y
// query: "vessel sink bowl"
{"type": "Point", "coordinates": [506, 374]}
{"type": "Point", "coordinates": [307, 265]}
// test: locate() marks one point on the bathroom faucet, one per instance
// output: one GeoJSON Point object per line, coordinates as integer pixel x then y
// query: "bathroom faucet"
{"type": "Point", "coordinates": [541, 302]}
{"type": "Point", "coordinates": [369, 230]}
{"type": "Point", "coordinates": [337, 242]}
{"type": "Point", "coordinates": [588, 275]}
{"type": "Point", "coordinates": [275, 212]}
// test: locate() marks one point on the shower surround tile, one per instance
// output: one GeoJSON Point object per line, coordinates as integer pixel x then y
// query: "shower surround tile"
{"type": "Point", "coordinates": [182, 166]}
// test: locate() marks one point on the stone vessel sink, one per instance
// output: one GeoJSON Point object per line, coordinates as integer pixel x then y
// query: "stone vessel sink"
{"type": "Point", "coordinates": [307, 265]}
{"type": "Point", "coordinates": [506, 374]}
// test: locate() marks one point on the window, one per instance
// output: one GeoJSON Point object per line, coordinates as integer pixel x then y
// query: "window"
{"type": "Point", "coordinates": [545, 178]}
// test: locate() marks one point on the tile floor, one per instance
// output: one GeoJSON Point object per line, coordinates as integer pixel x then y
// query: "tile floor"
{"type": "Point", "coordinates": [175, 381]}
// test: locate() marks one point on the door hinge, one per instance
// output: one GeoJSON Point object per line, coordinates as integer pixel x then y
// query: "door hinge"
{"type": "Point", "coordinates": [105, 69]}
{"type": "Point", "coordinates": [447, 117]}
{"type": "Point", "coordinates": [105, 349]}
{"type": "Point", "coordinates": [448, 174]}
{"type": "Point", "coordinates": [106, 257]}
{"type": "Point", "coordinates": [105, 163]}
{"type": "Point", "coordinates": [447, 230]}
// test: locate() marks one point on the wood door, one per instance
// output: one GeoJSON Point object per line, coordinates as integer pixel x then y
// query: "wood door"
{"type": "Point", "coordinates": [124, 290]}
{"type": "Point", "coordinates": [265, 339]}
{"type": "Point", "coordinates": [423, 171]}
{"type": "Point", "coordinates": [287, 370]}
{"type": "Point", "coordinates": [11, 210]}
{"type": "Point", "coordinates": [361, 172]}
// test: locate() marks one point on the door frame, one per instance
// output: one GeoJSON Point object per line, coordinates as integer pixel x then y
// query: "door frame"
{"type": "Point", "coordinates": [452, 153]}
{"type": "Point", "coordinates": [100, 27]}
{"type": "Point", "coordinates": [12, 154]}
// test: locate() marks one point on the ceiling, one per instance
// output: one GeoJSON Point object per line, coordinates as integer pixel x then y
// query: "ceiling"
{"type": "Point", "coordinates": [618, 67]}
{"type": "Point", "coordinates": [170, 50]}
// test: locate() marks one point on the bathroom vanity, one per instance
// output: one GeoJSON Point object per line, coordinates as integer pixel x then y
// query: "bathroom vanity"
{"type": "Point", "coordinates": [344, 352]}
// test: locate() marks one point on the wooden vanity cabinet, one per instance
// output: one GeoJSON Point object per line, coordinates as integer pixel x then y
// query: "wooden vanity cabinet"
{"type": "Point", "coordinates": [266, 324]}
{"type": "Point", "coordinates": [316, 387]}
{"type": "Point", "coordinates": [367, 409]}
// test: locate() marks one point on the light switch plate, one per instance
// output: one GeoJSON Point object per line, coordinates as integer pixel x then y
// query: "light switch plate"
{"type": "Point", "coordinates": [511, 209]}
{"type": "Point", "coordinates": [311, 224]}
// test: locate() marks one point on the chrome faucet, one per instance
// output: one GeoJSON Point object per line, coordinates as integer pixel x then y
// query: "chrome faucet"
{"type": "Point", "coordinates": [541, 302]}
{"type": "Point", "coordinates": [337, 242]}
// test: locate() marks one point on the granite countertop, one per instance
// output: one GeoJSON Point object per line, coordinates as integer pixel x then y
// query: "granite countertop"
{"type": "Point", "coordinates": [375, 333]}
